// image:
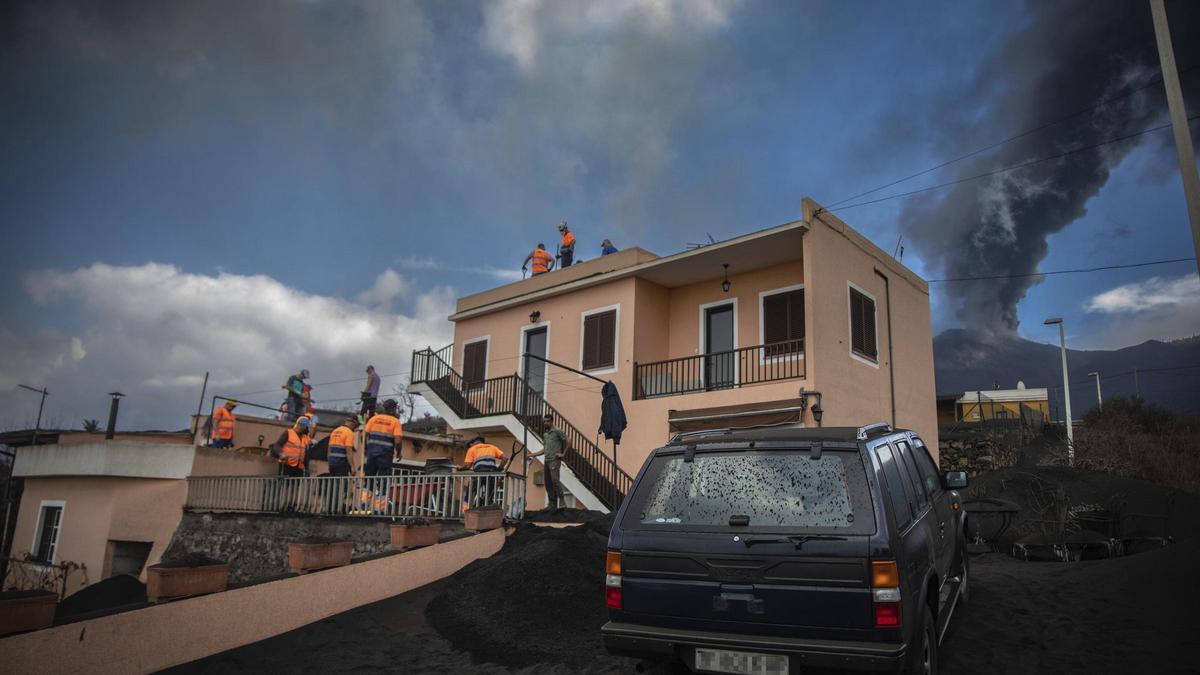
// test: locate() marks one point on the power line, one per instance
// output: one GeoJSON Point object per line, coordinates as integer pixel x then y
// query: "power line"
{"type": "Point", "coordinates": [1075, 271]}
{"type": "Point", "coordinates": [1006, 169]}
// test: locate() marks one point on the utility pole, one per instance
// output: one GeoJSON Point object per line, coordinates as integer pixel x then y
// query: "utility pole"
{"type": "Point", "coordinates": [1062, 346]}
{"type": "Point", "coordinates": [1179, 121]}
{"type": "Point", "coordinates": [1099, 399]}
{"type": "Point", "coordinates": [37, 427]}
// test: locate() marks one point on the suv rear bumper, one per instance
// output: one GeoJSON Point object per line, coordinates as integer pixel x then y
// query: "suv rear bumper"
{"type": "Point", "coordinates": [654, 642]}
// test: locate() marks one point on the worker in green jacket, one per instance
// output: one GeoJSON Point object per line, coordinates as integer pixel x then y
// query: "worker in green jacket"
{"type": "Point", "coordinates": [554, 447]}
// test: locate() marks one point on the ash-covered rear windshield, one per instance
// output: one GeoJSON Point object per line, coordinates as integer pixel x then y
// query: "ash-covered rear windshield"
{"type": "Point", "coordinates": [773, 489]}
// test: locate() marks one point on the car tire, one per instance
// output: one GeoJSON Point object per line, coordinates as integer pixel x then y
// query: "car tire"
{"type": "Point", "coordinates": [923, 658]}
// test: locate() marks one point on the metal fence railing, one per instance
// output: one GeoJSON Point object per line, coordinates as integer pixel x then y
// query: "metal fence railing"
{"type": "Point", "coordinates": [408, 494]}
{"type": "Point", "coordinates": [720, 370]}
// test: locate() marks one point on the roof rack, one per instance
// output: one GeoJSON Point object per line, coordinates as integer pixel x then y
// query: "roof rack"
{"type": "Point", "coordinates": [703, 432]}
{"type": "Point", "coordinates": [877, 427]}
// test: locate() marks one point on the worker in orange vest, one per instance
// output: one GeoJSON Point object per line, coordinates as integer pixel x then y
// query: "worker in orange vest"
{"type": "Point", "coordinates": [566, 249]}
{"type": "Point", "coordinates": [542, 260]}
{"type": "Point", "coordinates": [482, 458]}
{"type": "Point", "coordinates": [292, 448]}
{"type": "Point", "coordinates": [341, 448]}
{"type": "Point", "coordinates": [223, 420]}
{"type": "Point", "coordinates": [383, 432]}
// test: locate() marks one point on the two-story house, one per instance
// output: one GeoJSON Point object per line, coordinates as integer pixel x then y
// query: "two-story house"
{"type": "Point", "coordinates": [804, 323]}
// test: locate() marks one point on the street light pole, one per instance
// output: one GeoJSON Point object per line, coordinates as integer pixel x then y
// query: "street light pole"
{"type": "Point", "coordinates": [1062, 346]}
{"type": "Point", "coordinates": [37, 427]}
{"type": "Point", "coordinates": [1099, 399]}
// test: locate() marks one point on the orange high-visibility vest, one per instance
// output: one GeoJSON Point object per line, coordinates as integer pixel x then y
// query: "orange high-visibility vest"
{"type": "Point", "coordinates": [223, 420]}
{"type": "Point", "coordinates": [381, 431]}
{"type": "Point", "coordinates": [340, 442]}
{"type": "Point", "coordinates": [484, 457]}
{"type": "Point", "coordinates": [568, 240]}
{"type": "Point", "coordinates": [292, 453]}
{"type": "Point", "coordinates": [541, 261]}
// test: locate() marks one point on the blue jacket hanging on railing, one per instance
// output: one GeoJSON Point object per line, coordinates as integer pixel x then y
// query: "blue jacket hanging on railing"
{"type": "Point", "coordinates": [612, 413]}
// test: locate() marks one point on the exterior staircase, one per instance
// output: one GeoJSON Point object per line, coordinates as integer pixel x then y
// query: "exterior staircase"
{"type": "Point", "coordinates": [510, 403]}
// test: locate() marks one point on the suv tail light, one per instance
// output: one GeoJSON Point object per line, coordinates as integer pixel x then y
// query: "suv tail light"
{"type": "Point", "coordinates": [885, 589]}
{"type": "Point", "coordinates": [612, 580]}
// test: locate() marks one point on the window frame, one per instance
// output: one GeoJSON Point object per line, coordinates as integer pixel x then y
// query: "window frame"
{"type": "Point", "coordinates": [924, 499]}
{"type": "Point", "coordinates": [616, 364]}
{"type": "Point", "coordinates": [762, 329]}
{"type": "Point", "coordinates": [37, 531]}
{"type": "Point", "coordinates": [896, 500]}
{"type": "Point", "coordinates": [521, 351]}
{"type": "Point", "coordinates": [487, 352]}
{"type": "Point", "coordinates": [702, 338]}
{"type": "Point", "coordinates": [862, 358]}
{"type": "Point", "coordinates": [933, 481]}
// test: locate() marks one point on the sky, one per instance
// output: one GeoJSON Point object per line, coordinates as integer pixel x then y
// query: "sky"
{"type": "Point", "coordinates": [251, 188]}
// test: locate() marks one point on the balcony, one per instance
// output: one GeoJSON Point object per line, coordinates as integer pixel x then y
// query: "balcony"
{"type": "Point", "coordinates": [715, 371]}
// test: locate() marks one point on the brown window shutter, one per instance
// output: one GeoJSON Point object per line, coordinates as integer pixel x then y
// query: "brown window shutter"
{"type": "Point", "coordinates": [796, 317]}
{"type": "Point", "coordinates": [599, 340]}
{"type": "Point", "coordinates": [775, 318]}
{"type": "Point", "coordinates": [862, 325]}
{"type": "Point", "coordinates": [474, 362]}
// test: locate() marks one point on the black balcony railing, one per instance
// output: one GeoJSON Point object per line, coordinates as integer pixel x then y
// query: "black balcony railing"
{"type": "Point", "coordinates": [720, 370]}
{"type": "Point", "coordinates": [503, 396]}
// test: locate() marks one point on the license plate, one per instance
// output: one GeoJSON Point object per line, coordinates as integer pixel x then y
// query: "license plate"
{"type": "Point", "coordinates": [741, 663]}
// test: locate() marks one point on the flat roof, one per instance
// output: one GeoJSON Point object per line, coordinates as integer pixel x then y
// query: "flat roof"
{"type": "Point", "coordinates": [754, 250]}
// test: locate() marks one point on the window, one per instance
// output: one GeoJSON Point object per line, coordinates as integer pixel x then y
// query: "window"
{"type": "Point", "coordinates": [783, 322]}
{"type": "Point", "coordinates": [475, 362]}
{"type": "Point", "coordinates": [127, 557]}
{"type": "Point", "coordinates": [49, 522]}
{"type": "Point", "coordinates": [600, 340]}
{"type": "Point", "coordinates": [897, 487]}
{"type": "Point", "coordinates": [862, 325]}
{"type": "Point", "coordinates": [906, 458]}
{"type": "Point", "coordinates": [772, 489]}
{"type": "Point", "coordinates": [929, 473]}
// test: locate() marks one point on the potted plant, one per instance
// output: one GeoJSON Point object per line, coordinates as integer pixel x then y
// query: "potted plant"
{"type": "Point", "coordinates": [414, 532]}
{"type": "Point", "coordinates": [483, 518]}
{"type": "Point", "coordinates": [318, 553]}
{"type": "Point", "coordinates": [189, 574]}
{"type": "Point", "coordinates": [22, 611]}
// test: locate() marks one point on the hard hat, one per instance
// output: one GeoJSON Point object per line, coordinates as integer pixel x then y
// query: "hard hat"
{"type": "Point", "coordinates": [304, 373]}
{"type": "Point", "coordinates": [231, 402]}
{"type": "Point", "coordinates": [302, 422]}
{"type": "Point", "coordinates": [562, 226]}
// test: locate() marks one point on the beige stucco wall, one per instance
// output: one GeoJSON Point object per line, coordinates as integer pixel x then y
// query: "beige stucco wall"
{"type": "Point", "coordinates": [855, 392]}
{"type": "Point", "coordinates": [165, 635]}
{"type": "Point", "coordinates": [96, 510]}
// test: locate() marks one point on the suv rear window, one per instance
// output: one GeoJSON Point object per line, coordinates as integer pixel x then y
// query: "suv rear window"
{"type": "Point", "coordinates": [777, 490]}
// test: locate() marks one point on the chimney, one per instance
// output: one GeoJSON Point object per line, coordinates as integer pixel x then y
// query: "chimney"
{"type": "Point", "coordinates": [112, 414]}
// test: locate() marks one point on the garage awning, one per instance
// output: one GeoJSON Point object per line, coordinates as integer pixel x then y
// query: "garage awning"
{"type": "Point", "coordinates": [742, 415]}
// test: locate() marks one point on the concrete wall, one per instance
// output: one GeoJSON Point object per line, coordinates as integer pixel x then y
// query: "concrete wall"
{"type": "Point", "coordinates": [151, 639]}
{"type": "Point", "coordinates": [255, 546]}
{"type": "Point", "coordinates": [97, 509]}
{"type": "Point", "coordinates": [105, 458]}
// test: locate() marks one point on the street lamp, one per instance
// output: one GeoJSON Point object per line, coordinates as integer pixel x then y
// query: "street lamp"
{"type": "Point", "coordinates": [37, 427]}
{"type": "Point", "coordinates": [1099, 399]}
{"type": "Point", "coordinates": [1062, 345]}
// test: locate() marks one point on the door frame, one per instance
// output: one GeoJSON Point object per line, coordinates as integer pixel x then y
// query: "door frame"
{"type": "Point", "coordinates": [703, 339]}
{"type": "Point", "coordinates": [521, 349]}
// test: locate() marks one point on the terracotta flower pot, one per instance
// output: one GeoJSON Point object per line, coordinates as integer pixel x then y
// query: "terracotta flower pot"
{"type": "Point", "coordinates": [173, 582]}
{"type": "Point", "coordinates": [415, 536]}
{"type": "Point", "coordinates": [306, 557]}
{"type": "Point", "coordinates": [483, 519]}
{"type": "Point", "coordinates": [22, 611]}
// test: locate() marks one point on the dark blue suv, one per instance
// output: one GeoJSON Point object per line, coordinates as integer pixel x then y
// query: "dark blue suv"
{"type": "Point", "coordinates": [775, 550]}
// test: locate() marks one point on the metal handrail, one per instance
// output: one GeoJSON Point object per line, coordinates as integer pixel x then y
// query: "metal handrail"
{"type": "Point", "coordinates": [590, 464]}
{"type": "Point", "coordinates": [725, 369]}
{"type": "Point", "coordinates": [437, 496]}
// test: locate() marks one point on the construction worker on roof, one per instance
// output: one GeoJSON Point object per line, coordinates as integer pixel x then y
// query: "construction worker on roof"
{"type": "Point", "coordinates": [223, 421]}
{"type": "Point", "coordinates": [566, 249]}
{"type": "Point", "coordinates": [542, 260]}
{"type": "Point", "coordinates": [295, 393]}
{"type": "Point", "coordinates": [607, 248]}
{"type": "Point", "coordinates": [383, 432]}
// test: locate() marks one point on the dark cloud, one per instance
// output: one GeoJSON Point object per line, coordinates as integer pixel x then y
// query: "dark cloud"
{"type": "Point", "coordinates": [1072, 55]}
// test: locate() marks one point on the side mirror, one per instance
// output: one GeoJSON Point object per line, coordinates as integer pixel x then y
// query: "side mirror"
{"type": "Point", "coordinates": [954, 480]}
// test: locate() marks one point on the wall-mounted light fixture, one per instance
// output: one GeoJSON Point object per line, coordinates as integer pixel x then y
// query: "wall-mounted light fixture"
{"type": "Point", "coordinates": [534, 316]}
{"type": "Point", "coordinates": [725, 284]}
